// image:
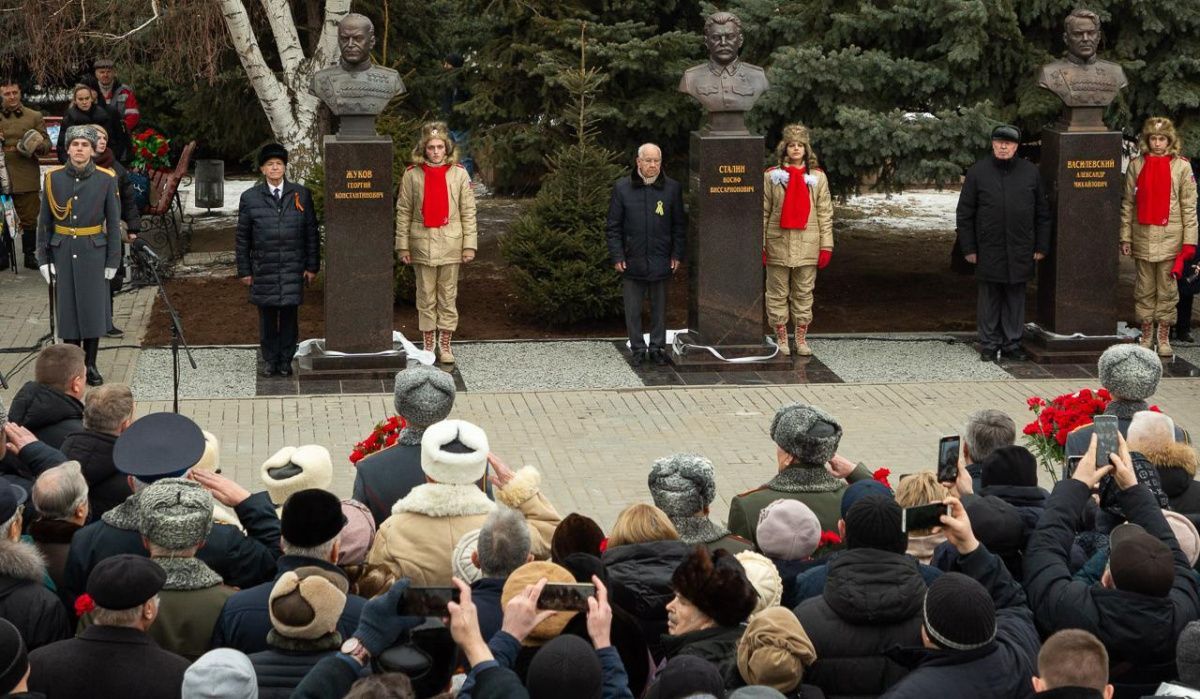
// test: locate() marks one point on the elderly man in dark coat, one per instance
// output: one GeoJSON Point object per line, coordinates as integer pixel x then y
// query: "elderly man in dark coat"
{"type": "Point", "coordinates": [115, 657]}
{"type": "Point", "coordinates": [1004, 230]}
{"type": "Point", "coordinates": [647, 233]}
{"type": "Point", "coordinates": [278, 253]}
{"type": "Point", "coordinates": [79, 244]}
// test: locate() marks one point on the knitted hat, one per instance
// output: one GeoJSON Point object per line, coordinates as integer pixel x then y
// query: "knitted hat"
{"type": "Point", "coordinates": [307, 602]}
{"type": "Point", "coordinates": [1140, 562]}
{"type": "Point", "coordinates": [125, 581]}
{"type": "Point", "coordinates": [717, 585]}
{"type": "Point", "coordinates": [567, 666]}
{"type": "Point", "coordinates": [682, 484]}
{"type": "Point", "coordinates": [1011, 465]}
{"type": "Point", "coordinates": [764, 576]}
{"type": "Point", "coordinates": [1186, 534]}
{"type": "Point", "coordinates": [997, 524]}
{"type": "Point", "coordinates": [14, 658]}
{"type": "Point", "coordinates": [959, 613]}
{"type": "Point", "coordinates": [221, 673]}
{"type": "Point", "coordinates": [774, 650]}
{"type": "Point", "coordinates": [861, 489]}
{"type": "Point", "coordinates": [454, 452]}
{"type": "Point", "coordinates": [464, 568]}
{"type": "Point", "coordinates": [424, 394]}
{"type": "Point", "coordinates": [788, 530]}
{"type": "Point", "coordinates": [873, 522]}
{"type": "Point", "coordinates": [575, 534]}
{"type": "Point", "coordinates": [687, 676]}
{"type": "Point", "coordinates": [1160, 126]}
{"type": "Point", "coordinates": [807, 433]}
{"type": "Point", "coordinates": [430, 131]}
{"type": "Point", "coordinates": [272, 150]}
{"type": "Point", "coordinates": [175, 513]}
{"type": "Point", "coordinates": [1187, 654]}
{"type": "Point", "coordinates": [357, 533]}
{"type": "Point", "coordinates": [311, 517]}
{"type": "Point", "coordinates": [527, 575]}
{"type": "Point", "coordinates": [84, 131]}
{"type": "Point", "coordinates": [293, 469]}
{"type": "Point", "coordinates": [1130, 371]}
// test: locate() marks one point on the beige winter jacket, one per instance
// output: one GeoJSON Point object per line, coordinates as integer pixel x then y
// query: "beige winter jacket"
{"type": "Point", "coordinates": [436, 246]}
{"type": "Point", "coordinates": [797, 248]}
{"type": "Point", "coordinates": [418, 540]}
{"type": "Point", "coordinates": [1159, 243]}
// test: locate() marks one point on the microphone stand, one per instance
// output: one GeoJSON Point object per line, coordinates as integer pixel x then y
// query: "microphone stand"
{"type": "Point", "coordinates": [177, 337]}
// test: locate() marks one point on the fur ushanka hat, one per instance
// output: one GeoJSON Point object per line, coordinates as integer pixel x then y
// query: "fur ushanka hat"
{"type": "Point", "coordinates": [717, 585]}
{"type": "Point", "coordinates": [1130, 371]}
{"type": "Point", "coordinates": [423, 395]}
{"type": "Point", "coordinates": [292, 469]}
{"type": "Point", "coordinates": [175, 513]}
{"type": "Point", "coordinates": [682, 484]}
{"type": "Point", "coordinates": [806, 432]}
{"type": "Point", "coordinates": [429, 131]}
{"type": "Point", "coordinates": [306, 603]}
{"type": "Point", "coordinates": [796, 133]}
{"type": "Point", "coordinates": [1159, 126]}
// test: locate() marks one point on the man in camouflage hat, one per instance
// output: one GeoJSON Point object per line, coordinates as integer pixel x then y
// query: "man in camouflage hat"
{"type": "Point", "coordinates": [79, 244]}
{"type": "Point", "coordinates": [24, 138]}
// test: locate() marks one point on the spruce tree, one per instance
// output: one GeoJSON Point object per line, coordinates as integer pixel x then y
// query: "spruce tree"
{"type": "Point", "coordinates": [557, 256]}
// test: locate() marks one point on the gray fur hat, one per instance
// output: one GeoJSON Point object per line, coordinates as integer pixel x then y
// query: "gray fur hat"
{"type": "Point", "coordinates": [424, 395]}
{"type": "Point", "coordinates": [1130, 371]}
{"type": "Point", "coordinates": [175, 513]}
{"type": "Point", "coordinates": [682, 484]}
{"type": "Point", "coordinates": [84, 131]}
{"type": "Point", "coordinates": [807, 433]}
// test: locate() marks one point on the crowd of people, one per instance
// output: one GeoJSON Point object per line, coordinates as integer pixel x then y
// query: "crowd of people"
{"type": "Point", "coordinates": [130, 566]}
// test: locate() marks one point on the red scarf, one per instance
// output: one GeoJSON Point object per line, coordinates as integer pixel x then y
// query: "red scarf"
{"type": "Point", "coordinates": [1154, 191]}
{"type": "Point", "coordinates": [435, 203]}
{"type": "Point", "coordinates": [796, 204]}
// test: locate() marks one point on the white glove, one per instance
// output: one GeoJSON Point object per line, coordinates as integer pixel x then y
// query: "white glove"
{"type": "Point", "coordinates": [46, 271]}
{"type": "Point", "coordinates": [109, 273]}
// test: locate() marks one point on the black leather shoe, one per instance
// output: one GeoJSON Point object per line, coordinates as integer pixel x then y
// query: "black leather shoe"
{"type": "Point", "coordinates": [267, 371]}
{"type": "Point", "coordinates": [1017, 355]}
{"type": "Point", "coordinates": [638, 358]}
{"type": "Point", "coordinates": [284, 369]}
{"type": "Point", "coordinates": [30, 260]}
{"type": "Point", "coordinates": [659, 357]}
{"type": "Point", "coordinates": [114, 331]}
{"type": "Point", "coordinates": [987, 355]}
{"type": "Point", "coordinates": [93, 377]}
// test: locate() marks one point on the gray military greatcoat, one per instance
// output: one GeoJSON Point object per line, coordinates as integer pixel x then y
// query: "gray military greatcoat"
{"type": "Point", "coordinates": [79, 232]}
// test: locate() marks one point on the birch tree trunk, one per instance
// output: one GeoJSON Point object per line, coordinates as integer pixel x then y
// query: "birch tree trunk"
{"type": "Point", "coordinates": [286, 96]}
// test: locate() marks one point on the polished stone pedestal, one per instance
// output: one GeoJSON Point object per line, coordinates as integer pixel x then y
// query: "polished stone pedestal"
{"type": "Point", "coordinates": [1077, 282]}
{"type": "Point", "coordinates": [725, 303]}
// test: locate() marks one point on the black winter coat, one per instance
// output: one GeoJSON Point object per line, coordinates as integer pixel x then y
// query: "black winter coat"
{"type": "Point", "coordinates": [717, 645]}
{"type": "Point", "coordinates": [47, 412]}
{"type": "Point", "coordinates": [277, 243]}
{"type": "Point", "coordinates": [107, 487]}
{"type": "Point", "coordinates": [1003, 217]}
{"type": "Point", "coordinates": [1000, 670]}
{"type": "Point", "coordinates": [646, 227]}
{"type": "Point", "coordinates": [872, 602]}
{"type": "Point", "coordinates": [24, 598]}
{"type": "Point", "coordinates": [106, 661]}
{"type": "Point", "coordinates": [1029, 500]}
{"type": "Point", "coordinates": [279, 671]}
{"type": "Point", "coordinates": [74, 116]}
{"type": "Point", "coordinates": [1139, 631]}
{"type": "Point", "coordinates": [639, 581]}
{"type": "Point", "coordinates": [1182, 490]}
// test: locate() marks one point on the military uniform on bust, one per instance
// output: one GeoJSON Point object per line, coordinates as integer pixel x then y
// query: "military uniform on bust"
{"type": "Point", "coordinates": [79, 242]}
{"type": "Point", "coordinates": [24, 137]}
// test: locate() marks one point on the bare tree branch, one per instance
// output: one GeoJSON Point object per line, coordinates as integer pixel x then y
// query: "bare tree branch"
{"type": "Point", "coordinates": [120, 37]}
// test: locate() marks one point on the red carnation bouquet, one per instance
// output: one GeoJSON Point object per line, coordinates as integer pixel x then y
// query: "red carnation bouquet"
{"type": "Point", "coordinates": [150, 150]}
{"type": "Point", "coordinates": [1053, 420]}
{"type": "Point", "coordinates": [383, 436]}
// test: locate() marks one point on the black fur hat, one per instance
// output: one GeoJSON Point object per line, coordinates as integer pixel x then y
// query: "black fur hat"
{"type": "Point", "coordinates": [717, 585]}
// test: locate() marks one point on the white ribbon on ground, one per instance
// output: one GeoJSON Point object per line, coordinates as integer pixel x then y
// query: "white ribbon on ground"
{"type": "Point", "coordinates": [398, 342]}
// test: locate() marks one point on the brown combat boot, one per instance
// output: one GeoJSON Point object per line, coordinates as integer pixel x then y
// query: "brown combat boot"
{"type": "Point", "coordinates": [445, 355]}
{"type": "Point", "coordinates": [781, 339]}
{"type": "Point", "coordinates": [1164, 341]}
{"type": "Point", "coordinates": [1147, 338]}
{"type": "Point", "coordinates": [802, 347]}
{"type": "Point", "coordinates": [428, 340]}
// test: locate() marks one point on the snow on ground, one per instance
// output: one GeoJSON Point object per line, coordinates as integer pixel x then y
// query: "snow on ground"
{"type": "Point", "coordinates": [914, 210]}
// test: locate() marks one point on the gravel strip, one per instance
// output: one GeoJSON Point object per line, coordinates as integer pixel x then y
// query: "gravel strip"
{"type": "Point", "coordinates": [521, 366]}
{"type": "Point", "coordinates": [873, 361]}
{"type": "Point", "coordinates": [222, 373]}
{"type": "Point", "coordinates": [1190, 352]}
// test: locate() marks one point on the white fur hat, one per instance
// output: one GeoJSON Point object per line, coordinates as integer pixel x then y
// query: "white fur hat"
{"type": "Point", "coordinates": [460, 465]}
{"type": "Point", "coordinates": [293, 469]}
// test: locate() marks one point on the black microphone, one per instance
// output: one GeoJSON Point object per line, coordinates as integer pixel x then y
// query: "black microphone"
{"type": "Point", "coordinates": [143, 247]}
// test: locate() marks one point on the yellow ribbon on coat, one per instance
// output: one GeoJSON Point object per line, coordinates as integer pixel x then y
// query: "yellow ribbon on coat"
{"type": "Point", "coordinates": [659, 208]}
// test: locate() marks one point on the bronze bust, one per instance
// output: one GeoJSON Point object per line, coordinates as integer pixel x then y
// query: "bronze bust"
{"type": "Point", "coordinates": [1085, 83]}
{"type": "Point", "coordinates": [725, 86]}
{"type": "Point", "coordinates": [354, 89]}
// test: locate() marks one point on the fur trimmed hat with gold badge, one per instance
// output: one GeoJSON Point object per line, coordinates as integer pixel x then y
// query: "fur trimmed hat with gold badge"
{"type": "Point", "coordinates": [796, 133]}
{"type": "Point", "coordinates": [430, 131]}
{"type": "Point", "coordinates": [1159, 126]}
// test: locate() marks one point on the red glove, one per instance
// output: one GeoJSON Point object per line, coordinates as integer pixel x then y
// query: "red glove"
{"type": "Point", "coordinates": [823, 259]}
{"type": "Point", "coordinates": [1188, 252]}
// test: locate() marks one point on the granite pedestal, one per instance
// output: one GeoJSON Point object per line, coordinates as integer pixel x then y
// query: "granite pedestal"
{"type": "Point", "coordinates": [725, 238]}
{"type": "Point", "coordinates": [1077, 282]}
{"type": "Point", "coordinates": [359, 220]}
